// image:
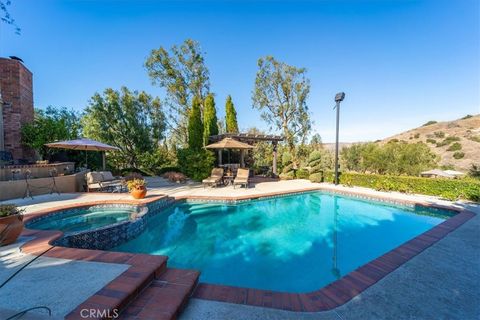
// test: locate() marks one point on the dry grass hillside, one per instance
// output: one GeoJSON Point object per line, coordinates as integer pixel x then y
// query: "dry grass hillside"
{"type": "Point", "coordinates": [456, 142]}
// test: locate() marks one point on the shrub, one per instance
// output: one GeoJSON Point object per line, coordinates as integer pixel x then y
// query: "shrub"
{"type": "Point", "coordinates": [196, 164]}
{"type": "Point", "coordinates": [475, 138]}
{"type": "Point", "coordinates": [468, 116]}
{"type": "Point", "coordinates": [302, 174]}
{"type": "Point", "coordinates": [417, 135]}
{"type": "Point", "coordinates": [439, 134]}
{"type": "Point", "coordinates": [174, 176]}
{"type": "Point", "coordinates": [290, 175]}
{"type": "Point", "coordinates": [316, 177]}
{"type": "Point", "coordinates": [429, 123]}
{"type": "Point", "coordinates": [447, 141]}
{"type": "Point", "coordinates": [447, 188]}
{"type": "Point", "coordinates": [458, 155]}
{"type": "Point", "coordinates": [455, 147]}
{"type": "Point", "coordinates": [474, 171]}
{"type": "Point", "coordinates": [432, 141]}
{"type": "Point", "coordinates": [163, 170]}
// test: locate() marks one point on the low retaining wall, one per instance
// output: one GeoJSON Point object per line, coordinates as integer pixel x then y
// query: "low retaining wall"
{"type": "Point", "coordinates": [17, 172]}
{"type": "Point", "coordinates": [16, 188]}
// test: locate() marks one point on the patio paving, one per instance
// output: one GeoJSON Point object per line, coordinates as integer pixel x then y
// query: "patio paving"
{"type": "Point", "coordinates": [58, 284]}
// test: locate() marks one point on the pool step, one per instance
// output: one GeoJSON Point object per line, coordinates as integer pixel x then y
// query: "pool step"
{"type": "Point", "coordinates": [164, 298]}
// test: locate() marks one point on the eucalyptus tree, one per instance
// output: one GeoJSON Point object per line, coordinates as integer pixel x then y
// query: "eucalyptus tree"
{"type": "Point", "coordinates": [132, 121]}
{"type": "Point", "coordinates": [281, 93]}
{"type": "Point", "coordinates": [182, 73]}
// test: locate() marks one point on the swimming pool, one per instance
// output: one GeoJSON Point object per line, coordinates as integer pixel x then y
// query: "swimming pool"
{"type": "Point", "coordinates": [295, 243]}
{"type": "Point", "coordinates": [85, 218]}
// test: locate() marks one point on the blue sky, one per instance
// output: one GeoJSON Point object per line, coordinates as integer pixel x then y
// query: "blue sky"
{"type": "Point", "coordinates": [401, 63]}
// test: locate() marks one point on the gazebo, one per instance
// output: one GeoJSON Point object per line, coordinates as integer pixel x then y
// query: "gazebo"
{"type": "Point", "coordinates": [244, 141]}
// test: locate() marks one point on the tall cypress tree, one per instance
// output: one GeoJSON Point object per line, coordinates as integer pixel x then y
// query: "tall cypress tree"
{"type": "Point", "coordinates": [231, 123]}
{"type": "Point", "coordinates": [195, 126]}
{"type": "Point", "coordinates": [210, 125]}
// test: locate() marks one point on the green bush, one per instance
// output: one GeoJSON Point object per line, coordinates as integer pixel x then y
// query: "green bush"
{"type": "Point", "coordinates": [455, 147]}
{"type": "Point", "coordinates": [195, 164]}
{"type": "Point", "coordinates": [290, 175]}
{"type": "Point", "coordinates": [451, 189]}
{"type": "Point", "coordinates": [316, 177]}
{"type": "Point", "coordinates": [432, 141]}
{"type": "Point", "coordinates": [475, 138]}
{"type": "Point", "coordinates": [439, 134]}
{"type": "Point", "coordinates": [447, 141]}
{"type": "Point", "coordinates": [302, 174]}
{"type": "Point", "coordinates": [429, 123]}
{"type": "Point", "coordinates": [458, 155]}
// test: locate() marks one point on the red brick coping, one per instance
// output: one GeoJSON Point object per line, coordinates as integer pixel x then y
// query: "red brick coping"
{"type": "Point", "coordinates": [145, 268]}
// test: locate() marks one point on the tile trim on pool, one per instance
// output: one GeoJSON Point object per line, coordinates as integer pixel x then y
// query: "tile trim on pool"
{"type": "Point", "coordinates": [331, 296]}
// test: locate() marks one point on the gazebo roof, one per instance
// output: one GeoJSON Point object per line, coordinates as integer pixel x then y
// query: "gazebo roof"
{"type": "Point", "coordinates": [247, 137]}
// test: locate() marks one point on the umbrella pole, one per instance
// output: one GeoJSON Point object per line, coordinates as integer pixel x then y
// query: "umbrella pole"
{"type": "Point", "coordinates": [86, 159]}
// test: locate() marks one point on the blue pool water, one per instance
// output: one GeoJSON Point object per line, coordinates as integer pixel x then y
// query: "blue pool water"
{"type": "Point", "coordinates": [76, 220]}
{"type": "Point", "coordinates": [297, 243]}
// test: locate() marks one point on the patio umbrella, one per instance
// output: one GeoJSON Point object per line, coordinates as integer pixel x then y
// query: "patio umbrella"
{"type": "Point", "coordinates": [83, 144]}
{"type": "Point", "coordinates": [230, 143]}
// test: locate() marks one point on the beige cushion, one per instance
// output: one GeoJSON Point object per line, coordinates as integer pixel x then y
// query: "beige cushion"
{"type": "Point", "coordinates": [94, 177]}
{"type": "Point", "coordinates": [107, 175]}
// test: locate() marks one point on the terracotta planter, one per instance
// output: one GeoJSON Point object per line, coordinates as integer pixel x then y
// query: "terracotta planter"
{"type": "Point", "coordinates": [139, 193]}
{"type": "Point", "coordinates": [10, 229]}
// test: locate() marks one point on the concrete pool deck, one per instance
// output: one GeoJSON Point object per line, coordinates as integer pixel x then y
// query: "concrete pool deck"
{"type": "Point", "coordinates": [454, 260]}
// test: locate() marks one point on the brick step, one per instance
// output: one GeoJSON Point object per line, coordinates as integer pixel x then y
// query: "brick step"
{"type": "Point", "coordinates": [124, 289]}
{"type": "Point", "coordinates": [164, 298]}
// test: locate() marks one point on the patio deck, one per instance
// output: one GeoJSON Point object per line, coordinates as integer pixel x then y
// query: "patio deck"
{"type": "Point", "coordinates": [412, 290]}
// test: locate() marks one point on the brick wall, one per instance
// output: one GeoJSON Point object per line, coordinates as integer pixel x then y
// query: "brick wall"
{"type": "Point", "coordinates": [17, 90]}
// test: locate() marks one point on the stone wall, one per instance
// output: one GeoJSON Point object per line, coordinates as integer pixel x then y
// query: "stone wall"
{"type": "Point", "coordinates": [17, 92]}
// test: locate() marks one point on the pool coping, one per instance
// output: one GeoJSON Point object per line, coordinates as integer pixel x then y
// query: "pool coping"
{"type": "Point", "coordinates": [326, 298]}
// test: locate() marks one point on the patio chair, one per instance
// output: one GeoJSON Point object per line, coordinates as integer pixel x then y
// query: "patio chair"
{"type": "Point", "coordinates": [242, 178]}
{"type": "Point", "coordinates": [102, 181]}
{"type": "Point", "coordinates": [215, 178]}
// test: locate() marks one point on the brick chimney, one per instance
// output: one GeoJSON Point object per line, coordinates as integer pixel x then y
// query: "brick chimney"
{"type": "Point", "coordinates": [16, 106]}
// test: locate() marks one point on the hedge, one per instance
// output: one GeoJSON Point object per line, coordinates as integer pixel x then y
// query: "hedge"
{"type": "Point", "coordinates": [450, 189]}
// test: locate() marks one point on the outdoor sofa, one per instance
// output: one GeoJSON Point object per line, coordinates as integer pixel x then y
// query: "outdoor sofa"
{"type": "Point", "coordinates": [103, 181]}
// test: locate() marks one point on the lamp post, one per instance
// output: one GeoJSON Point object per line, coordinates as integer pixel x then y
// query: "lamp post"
{"type": "Point", "coordinates": [338, 98]}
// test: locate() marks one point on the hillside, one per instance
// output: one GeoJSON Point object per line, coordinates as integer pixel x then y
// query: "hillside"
{"type": "Point", "coordinates": [447, 139]}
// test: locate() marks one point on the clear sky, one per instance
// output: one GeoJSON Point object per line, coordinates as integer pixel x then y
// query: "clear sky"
{"type": "Point", "coordinates": [401, 63]}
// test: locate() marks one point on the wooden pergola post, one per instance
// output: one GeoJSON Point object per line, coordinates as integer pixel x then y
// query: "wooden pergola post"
{"type": "Point", "coordinates": [274, 166]}
{"type": "Point", "coordinates": [220, 157]}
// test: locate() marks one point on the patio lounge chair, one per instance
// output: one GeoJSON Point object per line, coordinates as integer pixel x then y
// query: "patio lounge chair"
{"type": "Point", "coordinates": [102, 181]}
{"type": "Point", "coordinates": [215, 178]}
{"type": "Point", "coordinates": [242, 177]}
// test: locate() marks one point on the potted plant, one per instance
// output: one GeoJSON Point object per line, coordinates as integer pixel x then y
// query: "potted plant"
{"type": "Point", "coordinates": [11, 223]}
{"type": "Point", "coordinates": [137, 188]}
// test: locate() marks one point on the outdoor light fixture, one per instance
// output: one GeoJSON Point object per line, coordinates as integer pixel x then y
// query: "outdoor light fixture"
{"type": "Point", "coordinates": [338, 98]}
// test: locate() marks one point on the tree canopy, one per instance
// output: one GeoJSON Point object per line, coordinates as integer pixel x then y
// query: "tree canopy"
{"type": "Point", "coordinates": [181, 71]}
{"type": "Point", "coordinates": [395, 158]}
{"type": "Point", "coordinates": [52, 124]}
{"type": "Point", "coordinates": [281, 93]}
{"type": "Point", "coordinates": [231, 124]}
{"type": "Point", "coordinates": [210, 121]}
{"type": "Point", "coordinates": [132, 121]}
